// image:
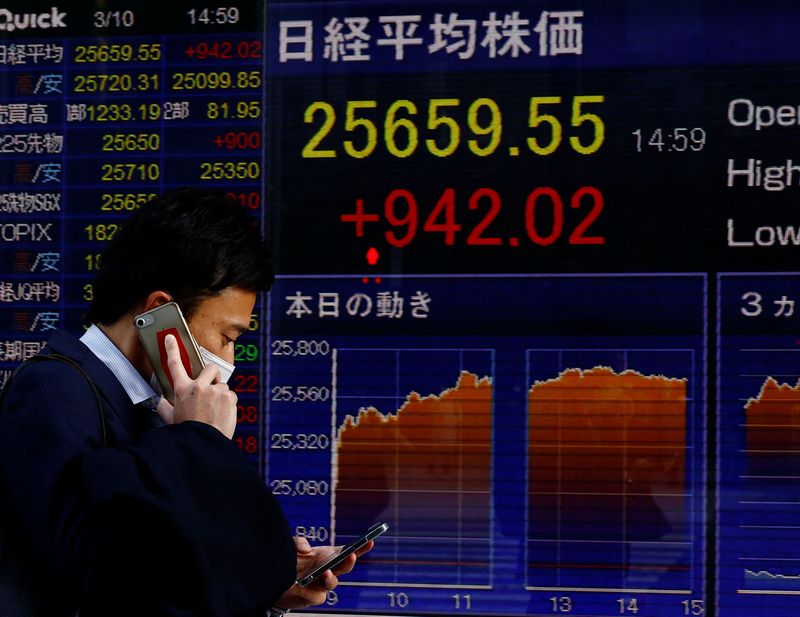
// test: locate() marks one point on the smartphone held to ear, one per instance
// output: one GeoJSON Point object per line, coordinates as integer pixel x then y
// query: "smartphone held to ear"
{"type": "Point", "coordinates": [337, 558]}
{"type": "Point", "coordinates": [153, 326]}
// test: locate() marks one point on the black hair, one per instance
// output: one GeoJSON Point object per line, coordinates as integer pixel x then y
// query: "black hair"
{"type": "Point", "coordinates": [190, 243]}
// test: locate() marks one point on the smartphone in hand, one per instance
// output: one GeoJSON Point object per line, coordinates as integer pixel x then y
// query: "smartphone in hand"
{"type": "Point", "coordinates": [152, 327]}
{"type": "Point", "coordinates": [337, 558]}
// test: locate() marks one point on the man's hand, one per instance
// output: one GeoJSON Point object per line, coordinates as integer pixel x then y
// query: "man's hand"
{"type": "Point", "coordinates": [308, 558]}
{"type": "Point", "coordinates": [204, 399]}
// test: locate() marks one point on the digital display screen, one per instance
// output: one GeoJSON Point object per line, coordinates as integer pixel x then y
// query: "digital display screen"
{"type": "Point", "coordinates": [103, 108]}
{"type": "Point", "coordinates": [537, 273]}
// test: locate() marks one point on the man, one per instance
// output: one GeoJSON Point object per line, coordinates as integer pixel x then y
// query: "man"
{"type": "Point", "coordinates": [128, 505]}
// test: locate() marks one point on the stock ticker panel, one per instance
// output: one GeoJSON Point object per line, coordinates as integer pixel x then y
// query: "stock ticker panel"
{"type": "Point", "coordinates": [102, 109]}
{"type": "Point", "coordinates": [606, 443]}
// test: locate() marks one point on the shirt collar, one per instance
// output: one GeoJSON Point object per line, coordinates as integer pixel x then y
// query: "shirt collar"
{"type": "Point", "coordinates": [137, 388]}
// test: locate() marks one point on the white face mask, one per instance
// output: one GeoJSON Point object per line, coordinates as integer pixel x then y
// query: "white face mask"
{"type": "Point", "coordinates": [225, 368]}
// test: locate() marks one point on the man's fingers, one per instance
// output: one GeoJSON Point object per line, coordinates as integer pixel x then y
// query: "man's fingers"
{"type": "Point", "coordinates": [300, 597]}
{"type": "Point", "coordinates": [328, 581]}
{"type": "Point", "coordinates": [366, 548]}
{"type": "Point", "coordinates": [166, 411]}
{"type": "Point", "coordinates": [174, 363]}
{"type": "Point", "coordinates": [346, 566]}
{"type": "Point", "coordinates": [209, 375]}
{"type": "Point", "coordinates": [301, 545]}
{"type": "Point", "coordinates": [204, 399]}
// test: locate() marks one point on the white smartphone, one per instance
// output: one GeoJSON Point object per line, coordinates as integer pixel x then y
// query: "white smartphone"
{"type": "Point", "coordinates": [152, 327]}
{"type": "Point", "coordinates": [373, 532]}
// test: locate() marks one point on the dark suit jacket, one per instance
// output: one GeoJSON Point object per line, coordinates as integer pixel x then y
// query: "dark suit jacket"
{"type": "Point", "coordinates": [166, 520]}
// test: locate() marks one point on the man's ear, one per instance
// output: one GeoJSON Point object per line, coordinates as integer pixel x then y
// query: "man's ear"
{"type": "Point", "coordinates": [154, 299]}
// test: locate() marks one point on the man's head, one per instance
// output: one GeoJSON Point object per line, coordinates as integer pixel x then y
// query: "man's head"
{"type": "Point", "coordinates": [193, 246]}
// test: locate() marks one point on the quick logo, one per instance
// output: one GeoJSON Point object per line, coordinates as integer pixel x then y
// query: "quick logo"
{"type": "Point", "coordinates": [24, 21]}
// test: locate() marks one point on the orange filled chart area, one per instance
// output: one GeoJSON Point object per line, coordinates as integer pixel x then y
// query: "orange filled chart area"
{"type": "Point", "coordinates": [424, 467]}
{"type": "Point", "coordinates": [772, 429]}
{"type": "Point", "coordinates": [772, 433]}
{"type": "Point", "coordinates": [609, 494]}
{"type": "Point", "coordinates": [772, 439]}
{"type": "Point", "coordinates": [525, 464]}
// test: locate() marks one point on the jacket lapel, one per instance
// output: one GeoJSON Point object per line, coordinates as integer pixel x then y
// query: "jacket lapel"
{"type": "Point", "coordinates": [115, 399]}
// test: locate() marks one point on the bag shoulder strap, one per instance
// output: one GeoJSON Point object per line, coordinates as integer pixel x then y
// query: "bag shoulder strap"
{"type": "Point", "coordinates": [66, 360]}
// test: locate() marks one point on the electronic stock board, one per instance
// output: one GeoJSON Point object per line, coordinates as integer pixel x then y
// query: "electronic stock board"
{"type": "Point", "coordinates": [537, 275]}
